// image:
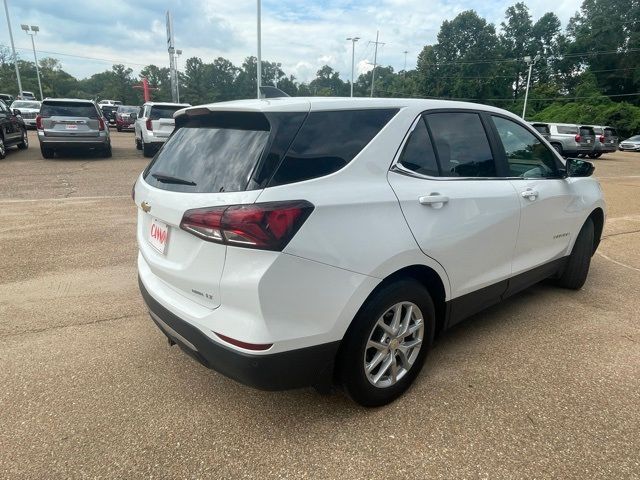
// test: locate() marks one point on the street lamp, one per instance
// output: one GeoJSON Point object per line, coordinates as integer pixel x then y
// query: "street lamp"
{"type": "Point", "coordinates": [178, 53]}
{"type": "Point", "coordinates": [32, 33]}
{"type": "Point", "coordinates": [353, 41]}
{"type": "Point", "coordinates": [13, 48]}
{"type": "Point", "coordinates": [531, 62]}
{"type": "Point", "coordinates": [259, 59]}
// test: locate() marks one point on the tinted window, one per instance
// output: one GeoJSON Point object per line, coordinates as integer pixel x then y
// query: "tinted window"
{"type": "Point", "coordinates": [526, 155]}
{"type": "Point", "coordinates": [216, 159]}
{"type": "Point", "coordinates": [3, 107]}
{"type": "Point", "coordinates": [542, 128]}
{"type": "Point", "coordinates": [567, 129]}
{"type": "Point", "coordinates": [23, 104]}
{"type": "Point", "coordinates": [158, 112]}
{"type": "Point", "coordinates": [586, 131]}
{"type": "Point", "coordinates": [462, 145]}
{"type": "Point", "coordinates": [68, 109]}
{"type": "Point", "coordinates": [610, 132]}
{"type": "Point", "coordinates": [127, 109]}
{"type": "Point", "coordinates": [418, 155]}
{"type": "Point", "coordinates": [327, 141]}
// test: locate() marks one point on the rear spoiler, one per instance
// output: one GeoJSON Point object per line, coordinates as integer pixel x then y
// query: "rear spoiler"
{"type": "Point", "coordinates": [272, 92]}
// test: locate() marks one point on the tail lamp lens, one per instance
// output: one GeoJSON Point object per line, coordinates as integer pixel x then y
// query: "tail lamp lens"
{"type": "Point", "coordinates": [266, 226]}
{"type": "Point", "coordinates": [39, 122]}
{"type": "Point", "coordinates": [601, 139]}
{"type": "Point", "coordinates": [149, 125]}
{"type": "Point", "coordinates": [100, 124]}
{"type": "Point", "coordinates": [578, 138]}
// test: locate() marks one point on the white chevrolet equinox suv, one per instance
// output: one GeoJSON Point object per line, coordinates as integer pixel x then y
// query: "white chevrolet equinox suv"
{"type": "Point", "coordinates": [324, 241]}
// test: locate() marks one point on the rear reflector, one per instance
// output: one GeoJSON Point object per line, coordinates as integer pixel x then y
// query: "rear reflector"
{"type": "Point", "coordinates": [241, 344]}
{"type": "Point", "coordinates": [266, 226]}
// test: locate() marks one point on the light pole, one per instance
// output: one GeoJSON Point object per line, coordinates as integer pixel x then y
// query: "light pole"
{"type": "Point", "coordinates": [13, 48]}
{"type": "Point", "coordinates": [531, 62]}
{"type": "Point", "coordinates": [404, 72]}
{"type": "Point", "coordinates": [353, 41]}
{"type": "Point", "coordinates": [259, 60]}
{"type": "Point", "coordinates": [178, 53]}
{"type": "Point", "coordinates": [32, 33]}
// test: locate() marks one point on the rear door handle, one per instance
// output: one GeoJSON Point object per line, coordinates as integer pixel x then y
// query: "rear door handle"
{"type": "Point", "coordinates": [434, 200]}
{"type": "Point", "coordinates": [530, 194]}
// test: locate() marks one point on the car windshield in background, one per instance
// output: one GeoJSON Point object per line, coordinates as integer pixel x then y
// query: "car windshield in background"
{"type": "Point", "coordinates": [610, 132]}
{"type": "Point", "coordinates": [127, 109]}
{"type": "Point", "coordinates": [68, 109]}
{"type": "Point", "coordinates": [635, 138]}
{"type": "Point", "coordinates": [21, 104]}
{"type": "Point", "coordinates": [158, 112]}
{"type": "Point", "coordinates": [586, 131]}
{"type": "Point", "coordinates": [215, 159]}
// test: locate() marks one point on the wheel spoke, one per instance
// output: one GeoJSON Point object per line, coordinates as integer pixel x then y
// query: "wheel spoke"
{"type": "Point", "coordinates": [406, 319]}
{"type": "Point", "coordinates": [375, 361]}
{"type": "Point", "coordinates": [397, 313]}
{"type": "Point", "coordinates": [403, 352]}
{"type": "Point", "coordinates": [411, 344]}
{"type": "Point", "coordinates": [387, 329]}
{"type": "Point", "coordinates": [377, 345]}
{"type": "Point", "coordinates": [413, 329]}
{"type": "Point", "coordinates": [383, 368]}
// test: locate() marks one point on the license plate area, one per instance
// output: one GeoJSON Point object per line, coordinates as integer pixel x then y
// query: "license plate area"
{"type": "Point", "coordinates": [158, 235]}
{"type": "Point", "coordinates": [70, 126]}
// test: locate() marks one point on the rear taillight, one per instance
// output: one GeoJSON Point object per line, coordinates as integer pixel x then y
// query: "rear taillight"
{"type": "Point", "coordinates": [601, 139]}
{"type": "Point", "coordinates": [267, 226]}
{"type": "Point", "coordinates": [578, 138]}
{"type": "Point", "coordinates": [39, 122]}
{"type": "Point", "coordinates": [100, 124]}
{"type": "Point", "coordinates": [149, 126]}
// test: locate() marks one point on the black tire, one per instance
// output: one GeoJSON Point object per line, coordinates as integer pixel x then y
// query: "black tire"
{"type": "Point", "coordinates": [24, 144]}
{"type": "Point", "coordinates": [3, 148]}
{"type": "Point", "coordinates": [594, 155]}
{"type": "Point", "coordinates": [351, 358]}
{"type": "Point", "coordinates": [46, 152]}
{"type": "Point", "coordinates": [147, 149]}
{"type": "Point", "coordinates": [577, 267]}
{"type": "Point", "coordinates": [106, 152]}
{"type": "Point", "coordinates": [598, 155]}
{"type": "Point", "coordinates": [119, 129]}
{"type": "Point", "coordinates": [138, 143]}
{"type": "Point", "coordinates": [558, 148]}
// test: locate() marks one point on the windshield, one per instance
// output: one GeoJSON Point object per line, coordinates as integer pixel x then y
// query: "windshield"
{"type": "Point", "coordinates": [127, 109]}
{"type": "Point", "coordinates": [21, 104]}
{"type": "Point", "coordinates": [215, 159]}
{"type": "Point", "coordinates": [635, 138]}
{"type": "Point", "coordinates": [68, 109]}
{"type": "Point", "coordinates": [164, 111]}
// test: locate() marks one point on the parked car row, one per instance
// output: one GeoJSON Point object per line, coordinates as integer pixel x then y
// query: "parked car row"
{"type": "Point", "coordinates": [571, 140]}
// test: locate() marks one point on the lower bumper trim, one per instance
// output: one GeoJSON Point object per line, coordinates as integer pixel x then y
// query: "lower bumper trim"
{"type": "Point", "coordinates": [304, 367]}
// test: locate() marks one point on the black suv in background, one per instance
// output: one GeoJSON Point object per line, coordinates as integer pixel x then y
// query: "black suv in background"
{"type": "Point", "coordinates": [13, 131]}
{"type": "Point", "coordinates": [109, 113]}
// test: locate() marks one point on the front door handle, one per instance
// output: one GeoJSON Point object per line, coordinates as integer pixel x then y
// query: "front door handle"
{"type": "Point", "coordinates": [434, 200]}
{"type": "Point", "coordinates": [530, 194]}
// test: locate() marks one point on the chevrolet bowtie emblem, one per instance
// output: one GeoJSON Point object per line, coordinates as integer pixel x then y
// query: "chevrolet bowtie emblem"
{"type": "Point", "coordinates": [145, 206]}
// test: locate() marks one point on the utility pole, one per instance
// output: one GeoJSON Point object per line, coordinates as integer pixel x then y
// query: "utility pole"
{"type": "Point", "coordinates": [32, 33]}
{"type": "Point", "coordinates": [178, 53]}
{"type": "Point", "coordinates": [13, 48]}
{"type": "Point", "coordinates": [353, 57]}
{"type": "Point", "coordinates": [172, 63]}
{"type": "Point", "coordinates": [531, 62]}
{"type": "Point", "coordinates": [375, 61]}
{"type": "Point", "coordinates": [404, 72]}
{"type": "Point", "coordinates": [259, 60]}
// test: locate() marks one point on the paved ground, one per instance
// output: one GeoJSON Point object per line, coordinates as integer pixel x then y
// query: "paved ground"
{"type": "Point", "coordinates": [546, 385]}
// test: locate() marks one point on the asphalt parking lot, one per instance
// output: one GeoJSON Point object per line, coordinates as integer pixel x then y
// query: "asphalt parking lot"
{"type": "Point", "coordinates": [546, 385]}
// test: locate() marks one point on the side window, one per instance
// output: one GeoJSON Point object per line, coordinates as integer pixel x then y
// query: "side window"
{"type": "Point", "coordinates": [526, 155]}
{"type": "Point", "coordinates": [418, 155]}
{"type": "Point", "coordinates": [329, 140]}
{"type": "Point", "coordinates": [462, 145]}
{"type": "Point", "coordinates": [567, 130]}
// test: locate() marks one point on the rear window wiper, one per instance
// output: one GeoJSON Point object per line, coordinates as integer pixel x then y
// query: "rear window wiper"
{"type": "Point", "coordinates": [164, 178]}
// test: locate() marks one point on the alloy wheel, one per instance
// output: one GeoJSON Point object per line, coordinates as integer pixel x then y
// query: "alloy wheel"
{"type": "Point", "coordinates": [394, 344]}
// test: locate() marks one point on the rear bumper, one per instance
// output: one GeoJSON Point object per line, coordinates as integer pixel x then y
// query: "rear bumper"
{"type": "Point", "coordinates": [72, 141]}
{"type": "Point", "coordinates": [279, 371]}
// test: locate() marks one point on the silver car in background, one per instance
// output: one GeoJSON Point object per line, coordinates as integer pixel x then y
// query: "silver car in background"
{"type": "Point", "coordinates": [631, 144]}
{"type": "Point", "coordinates": [69, 123]}
{"type": "Point", "coordinates": [28, 110]}
{"type": "Point", "coordinates": [568, 139]}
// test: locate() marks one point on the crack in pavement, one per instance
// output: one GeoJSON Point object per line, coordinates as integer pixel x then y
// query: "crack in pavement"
{"type": "Point", "coordinates": [58, 327]}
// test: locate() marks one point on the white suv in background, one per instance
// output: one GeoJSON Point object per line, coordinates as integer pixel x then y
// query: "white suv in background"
{"type": "Point", "coordinates": [316, 241]}
{"type": "Point", "coordinates": [154, 123]}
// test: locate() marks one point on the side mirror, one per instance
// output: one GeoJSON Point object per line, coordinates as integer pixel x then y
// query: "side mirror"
{"type": "Point", "coordinates": [579, 168]}
{"type": "Point", "coordinates": [17, 112]}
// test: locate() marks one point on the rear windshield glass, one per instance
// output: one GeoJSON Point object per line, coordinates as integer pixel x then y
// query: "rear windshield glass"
{"type": "Point", "coordinates": [212, 159]}
{"type": "Point", "coordinates": [542, 128]}
{"type": "Point", "coordinates": [23, 104]}
{"type": "Point", "coordinates": [127, 109]}
{"type": "Point", "coordinates": [68, 109]}
{"type": "Point", "coordinates": [328, 141]}
{"type": "Point", "coordinates": [565, 129]}
{"type": "Point", "coordinates": [162, 111]}
{"type": "Point", "coordinates": [610, 132]}
{"type": "Point", "coordinates": [586, 131]}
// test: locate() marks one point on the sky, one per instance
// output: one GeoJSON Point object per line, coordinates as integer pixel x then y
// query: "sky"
{"type": "Point", "coordinates": [301, 35]}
